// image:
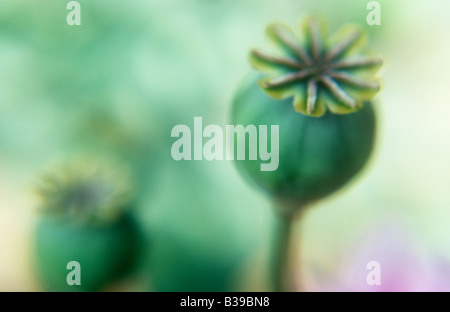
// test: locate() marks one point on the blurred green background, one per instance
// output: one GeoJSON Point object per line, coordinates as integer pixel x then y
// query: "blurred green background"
{"type": "Point", "coordinates": [117, 84]}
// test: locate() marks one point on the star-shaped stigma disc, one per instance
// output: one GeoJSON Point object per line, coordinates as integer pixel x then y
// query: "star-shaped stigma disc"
{"type": "Point", "coordinates": [316, 71]}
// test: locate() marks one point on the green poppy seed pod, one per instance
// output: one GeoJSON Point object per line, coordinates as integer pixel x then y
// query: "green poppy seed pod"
{"type": "Point", "coordinates": [104, 254]}
{"type": "Point", "coordinates": [318, 92]}
{"type": "Point", "coordinates": [85, 218]}
{"type": "Point", "coordinates": [316, 155]}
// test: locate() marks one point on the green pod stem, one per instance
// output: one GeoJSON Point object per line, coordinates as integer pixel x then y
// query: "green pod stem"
{"type": "Point", "coordinates": [280, 266]}
{"type": "Point", "coordinates": [284, 269]}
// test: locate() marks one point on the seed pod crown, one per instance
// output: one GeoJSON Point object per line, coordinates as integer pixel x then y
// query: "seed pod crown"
{"type": "Point", "coordinates": [318, 72]}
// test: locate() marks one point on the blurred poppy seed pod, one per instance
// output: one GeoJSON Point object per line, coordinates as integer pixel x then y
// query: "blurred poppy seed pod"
{"type": "Point", "coordinates": [319, 92]}
{"type": "Point", "coordinates": [85, 218]}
